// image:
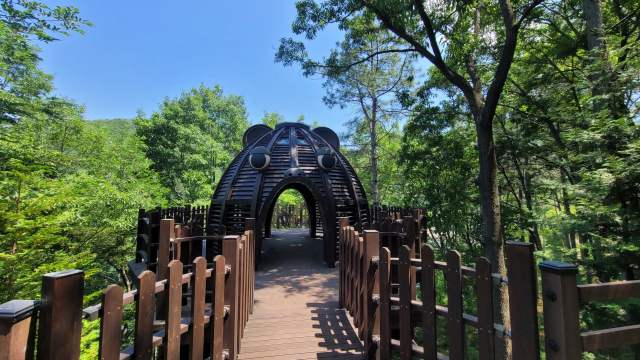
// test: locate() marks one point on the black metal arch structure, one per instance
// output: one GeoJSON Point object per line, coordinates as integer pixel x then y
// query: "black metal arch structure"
{"type": "Point", "coordinates": [244, 192]}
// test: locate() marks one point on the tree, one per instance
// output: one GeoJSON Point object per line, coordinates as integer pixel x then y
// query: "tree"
{"type": "Point", "coordinates": [370, 89]}
{"type": "Point", "coordinates": [481, 39]}
{"type": "Point", "coordinates": [272, 119]}
{"type": "Point", "coordinates": [192, 138]}
{"type": "Point", "coordinates": [34, 19]}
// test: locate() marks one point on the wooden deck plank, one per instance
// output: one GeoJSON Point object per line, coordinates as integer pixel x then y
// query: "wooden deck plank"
{"type": "Point", "coordinates": [305, 344]}
{"type": "Point", "coordinates": [295, 311]}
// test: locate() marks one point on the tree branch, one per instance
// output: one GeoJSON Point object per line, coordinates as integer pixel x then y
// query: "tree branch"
{"type": "Point", "coordinates": [527, 11]}
{"type": "Point", "coordinates": [347, 67]}
{"type": "Point", "coordinates": [429, 27]}
{"type": "Point", "coordinates": [455, 78]}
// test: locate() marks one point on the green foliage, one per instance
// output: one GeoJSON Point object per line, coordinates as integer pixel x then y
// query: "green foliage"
{"type": "Point", "coordinates": [191, 139]}
{"type": "Point", "coordinates": [116, 127]}
{"type": "Point", "coordinates": [272, 119]}
{"type": "Point", "coordinates": [69, 199]}
{"type": "Point", "coordinates": [290, 197]}
{"type": "Point", "coordinates": [32, 18]}
{"type": "Point", "coordinates": [23, 85]}
{"type": "Point", "coordinates": [69, 190]}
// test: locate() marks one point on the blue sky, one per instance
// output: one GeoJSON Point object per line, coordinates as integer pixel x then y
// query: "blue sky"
{"type": "Point", "coordinates": [140, 51]}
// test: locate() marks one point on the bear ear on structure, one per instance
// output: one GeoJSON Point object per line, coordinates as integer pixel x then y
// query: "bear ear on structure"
{"type": "Point", "coordinates": [253, 133]}
{"type": "Point", "coordinates": [329, 135]}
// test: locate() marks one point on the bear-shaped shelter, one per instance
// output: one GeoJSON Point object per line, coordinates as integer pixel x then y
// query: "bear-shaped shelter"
{"type": "Point", "coordinates": [291, 156]}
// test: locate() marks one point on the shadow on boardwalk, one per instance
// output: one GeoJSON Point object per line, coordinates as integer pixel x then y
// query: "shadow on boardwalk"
{"type": "Point", "coordinates": [296, 313]}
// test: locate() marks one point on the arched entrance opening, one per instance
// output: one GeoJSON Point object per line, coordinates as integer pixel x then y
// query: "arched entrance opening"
{"type": "Point", "coordinates": [314, 199]}
{"type": "Point", "coordinates": [291, 210]}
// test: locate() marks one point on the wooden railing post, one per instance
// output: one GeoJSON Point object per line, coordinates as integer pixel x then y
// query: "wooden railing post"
{"type": "Point", "coordinates": [18, 320]}
{"type": "Point", "coordinates": [561, 311]}
{"type": "Point", "coordinates": [61, 315]}
{"type": "Point", "coordinates": [231, 253]}
{"type": "Point", "coordinates": [371, 286]}
{"type": "Point", "coordinates": [523, 300]}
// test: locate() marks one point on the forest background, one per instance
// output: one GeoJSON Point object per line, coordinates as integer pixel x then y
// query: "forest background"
{"type": "Point", "coordinates": [523, 126]}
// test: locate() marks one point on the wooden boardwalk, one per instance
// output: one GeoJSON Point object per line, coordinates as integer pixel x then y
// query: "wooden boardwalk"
{"type": "Point", "coordinates": [296, 313]}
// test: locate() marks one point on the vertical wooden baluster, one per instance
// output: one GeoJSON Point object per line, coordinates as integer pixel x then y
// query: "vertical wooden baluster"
{"type": "Point", "coordinates": [235, 230]}
{"type": "Point", "coordinates": [415, 213]}
{"type": "Point", "coordinates": [197, 230]}
{"type": "Point", "coordinates": [428, 294]}
{"type": "Point", "coordinates": [349, 279]}
{"type": "Point", "coordinates": [241, 279]}
{"type": "Point", "coordinates": [143, 335]}
{"type": "Point", "coordinates": [217, 307]}
{"type": "Point", "coordinates": [371, 320]}
{"type": "Point", "coordinates": [343, 223]}
{"type": "Point", "coordinates": [173, 299]}
{"type": "Point", "coordinates": [404, 292]}
{"type": "Point", "coordinates": [250, 225]}
{"type": "Point", "coordinates": [355, 271]}
{"type": "Point", "coordinates": [409, 225]}
{"type": "Point", "coordinates": [153, 234]}
{"type": "Point", "coordinates": [454, 294]}
{"type": "Point", "coordinates": [196, 336]}
{"type": "Point", "coordinates": [167, 226]}
{"type": "Point", "coordinates": [352, 266]}
{"type": "Point", "coordinates": [175, 248]}
{"type": "Point", "coordinates": [484, 287]}
{"type": "Point", "coordinates": [230, 250]}
{"type": "Point", "coordinates": [185, 257]}
{"type": "Point", "coordinates": [60, 322]}
{"type": "Point", "coordinates": [361, 289]}
{"type": "Point", "coordinates": [385, 306]}
{"type": "Point", "coordinates": [111, 323]}
{"type": "Point", "coordinates": [246, 280]}
{"type": "Point", "coordinates": [523, 301]}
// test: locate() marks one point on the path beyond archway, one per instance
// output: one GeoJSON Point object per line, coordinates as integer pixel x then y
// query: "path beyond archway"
{"type": "Point", "coordinates": [296, 313]}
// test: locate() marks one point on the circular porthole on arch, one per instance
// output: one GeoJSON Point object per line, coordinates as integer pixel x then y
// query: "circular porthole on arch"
{"type": "Point", "coordinates": [327, 158]}
{"type": "Point", "coordinates": [259, 158]}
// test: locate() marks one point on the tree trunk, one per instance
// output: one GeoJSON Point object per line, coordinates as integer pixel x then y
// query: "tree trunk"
{"type": "Point", "coordinates": [492, 227]}
{"type": "Point", "coordinates": [567, 210]}
{"type": "Point", "coordinates": [374, 154]}
{"type": "Point", "coordinates": [595, 40]}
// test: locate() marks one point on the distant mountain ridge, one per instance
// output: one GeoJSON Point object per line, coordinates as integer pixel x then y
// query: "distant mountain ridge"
{"type": "Point", "coordinates": [117, 127]}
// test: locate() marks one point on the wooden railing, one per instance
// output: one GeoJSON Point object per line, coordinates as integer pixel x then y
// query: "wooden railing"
{"type": "Point", "coordinates": [380, 213]}
{"type": "Point", "coordinates": [380, 268]}
{"type": "Point", "coordinates": [217, 292]}
{"type": "Point", "coordinates": [290, 216]}
{"type": "Point", "coordinates": [378, 288]}
{"type": "Point", "coordinates": [561, 297]}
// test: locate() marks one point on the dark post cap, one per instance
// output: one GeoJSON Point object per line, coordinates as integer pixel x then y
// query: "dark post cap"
{"type": "Point", "coordinates": [558, 267]}
{"type": "Point", "coordinates": [16, 310]}
{"type": "Point", "coordinates": [63, 273]}
{"type": "Point", "coordinates": [520, 243]}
